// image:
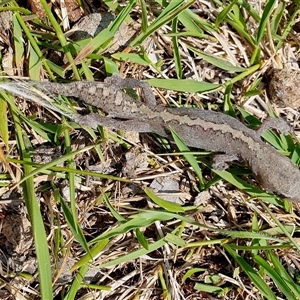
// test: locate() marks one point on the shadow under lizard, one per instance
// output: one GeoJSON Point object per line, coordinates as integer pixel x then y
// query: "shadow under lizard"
{"type": "Point", "coordinates": [201, 129]}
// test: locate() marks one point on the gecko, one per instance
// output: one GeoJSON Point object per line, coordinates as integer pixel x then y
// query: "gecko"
{"type": "Point", "coordinates": [202, 129]}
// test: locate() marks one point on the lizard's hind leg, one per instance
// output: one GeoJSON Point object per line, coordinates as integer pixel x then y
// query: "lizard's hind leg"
{"type": "Point", "coordinates": [93, 120]}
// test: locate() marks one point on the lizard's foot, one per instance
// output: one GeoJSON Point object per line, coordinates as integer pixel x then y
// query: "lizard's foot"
{"type": "Point", "coordinates": [220, 161]}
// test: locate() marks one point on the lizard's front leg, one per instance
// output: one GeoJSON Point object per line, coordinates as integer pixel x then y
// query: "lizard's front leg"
{"type": "Point", "coordinates": [120, 83]}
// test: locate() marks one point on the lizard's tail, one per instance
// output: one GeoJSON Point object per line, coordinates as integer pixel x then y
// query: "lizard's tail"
{"type": "Point", "coordinates": [27, 91]}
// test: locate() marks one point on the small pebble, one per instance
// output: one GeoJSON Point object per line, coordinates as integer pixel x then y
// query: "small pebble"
{"type": "Point", "coordinates": [284, 88]}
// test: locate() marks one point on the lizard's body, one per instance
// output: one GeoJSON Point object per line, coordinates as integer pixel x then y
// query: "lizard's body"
{"type": "Point", "coordinates": [198, 128]}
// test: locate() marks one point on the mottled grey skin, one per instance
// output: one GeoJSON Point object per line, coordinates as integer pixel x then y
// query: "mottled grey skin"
{"type": "Point", "coordinates": [198, 128]}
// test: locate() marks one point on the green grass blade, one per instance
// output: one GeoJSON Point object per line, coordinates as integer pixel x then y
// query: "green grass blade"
{"type": "Point", "coordinates": [38, 229]}
{"type": "Point", "coordinates": [189, 157]}
{"type": "Point", "coordinates": [167, 205]}
{"type": "Point", "coordinates": [95, 43]}
{"type": "Point", "coordinates": [18, 43]}
{"type": "Point", "coordinates": [183, 85]}
{"type": "Point", "coordinates": [277, 16]}
{"type": "Point", "coordinates": [246, 187]}
{"type": "Point", "coordinates": [191, 272]}
{"type": "Point", "coordinates": [122, 16]}
{"type": "Point", "coordinates": [35, 65]}
{"type": "Point", "coordinates": [275, 277]}
{"type": "Point", "coordinates": [135, 58]}
{"type": "Point", "coordinates": [170, 12]}
{"type": "Point", "coordinates": [71, 182]}
{"type": "Point", "coordinates": [77, 282]}
{"type": "Point", "coordinates": [252, 274]}
{"type": "Point", "coordinates": [135, 254]}
{"type": "Point", "coordinates": [264, 19]}
{"type": "Point", "coordinates": [175, 240]}
{"type": "Point", "coordinates": [4, 132]}
{"type": "Point", "coordinates": [72, 222]}
{"type": "Point", "coordinates": [147, 218]}
{"type": "Point", "coordinates": [141, 238]}
{"type": "Point", "coordinates": [54, 162]}
{"type": "Point", "coordinates": [193, 29]}
{"type": "Point", "coordinates": [242, 32]}
{"type": "Point", "coordinates": [33, 44]}
{"type": "Point", "coordinates": [284, 230]}
{"type": "Point", "coordinates": [113, 211]}
{"type": "Point", "coordinates": [218, 62]}
{"type": "Point", "coordinates": [177, 58]}
{"type": "Point", "coordinates": [284, 275]}
{"type": "Point", "coordinates": [61, 37]}
{"type": "Point", "coordinates": [207, 288]}
{"type": "Point", "coordinates": [139, 220]}
{"type": "Point", "coordinates": [93, 253]}
{"type": "Point", "coordinates": [288, 26]}
{"type": "Point", "coordinates": [144, 16]}
{"type": "Point", "coordinates": [244, 74]}
{"type": "Point", "coordinates": [221, 16]}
